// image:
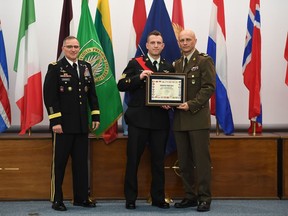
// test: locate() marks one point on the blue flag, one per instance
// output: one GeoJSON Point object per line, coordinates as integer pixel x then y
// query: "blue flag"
{"type": "Point", "coordinates": [158, 19]}
{"type": "Point", "coordinates": [5, 110]}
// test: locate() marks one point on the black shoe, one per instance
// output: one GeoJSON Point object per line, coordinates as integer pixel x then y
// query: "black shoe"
{"type": "Point", "coordinates": [203, 206]}
{"type": "Point", "coordinates": [163, 205]}
{"type": "Point", "coordinates": [130, 205]}
{"type": "Point", "coordinates": [85, 203]}
{"type": "Point", "coordinates": [185, 203]}
{"type": "Point", "coordinates": [59, 206]}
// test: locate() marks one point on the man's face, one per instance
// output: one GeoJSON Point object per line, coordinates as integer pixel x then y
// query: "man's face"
{"type": "Point", "coordinates": [71, 49]}
{"type": "Point", "coordinates": [155, 45]}
{"type": "Point", "coordinates": [187, 42]}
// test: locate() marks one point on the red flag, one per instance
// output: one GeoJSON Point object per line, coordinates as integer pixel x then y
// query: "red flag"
{"type": "Point", "coordinates": [286, 57]}
{"type": "Point", "coordinates": [138, 24]}
{"type": "Point", "coordinates": [66, 26]}
{"type": "Point", "coordinates": [252, 64]}
{"type": "Point", "coordinates": [177, 17]}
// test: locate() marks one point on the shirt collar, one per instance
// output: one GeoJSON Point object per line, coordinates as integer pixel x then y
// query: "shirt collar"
{"type": "Point", "coordinates": [71, 63]}
{"type": "Point", "coordinates": [190, 55]}
{"type": "Point", "coordinates": [152, 59]}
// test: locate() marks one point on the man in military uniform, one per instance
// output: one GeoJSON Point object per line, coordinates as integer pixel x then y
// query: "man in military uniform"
{"type": "Point", "coordinates": [69, 94]}
{"type": "Point", "coordinates": [146, 124]}
{"type": "Point", "coordinates": [192, 124]}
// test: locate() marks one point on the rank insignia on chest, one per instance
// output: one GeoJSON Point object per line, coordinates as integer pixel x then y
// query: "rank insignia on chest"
{"type": "Point", "coordinates": [65, 74]}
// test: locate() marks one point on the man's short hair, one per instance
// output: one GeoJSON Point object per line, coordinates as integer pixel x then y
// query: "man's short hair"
{"type": "Point", "coordinates": [154, 32]}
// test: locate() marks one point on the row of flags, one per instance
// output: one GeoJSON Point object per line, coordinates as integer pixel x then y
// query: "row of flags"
{"type": "Point", "coordinates": [97, 48]}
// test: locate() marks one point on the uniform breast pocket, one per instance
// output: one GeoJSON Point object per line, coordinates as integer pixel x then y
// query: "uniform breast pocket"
{"type": "Point", "coordinates": [65, 85]}
{"type": "Point", "coordinates": [194, 78]}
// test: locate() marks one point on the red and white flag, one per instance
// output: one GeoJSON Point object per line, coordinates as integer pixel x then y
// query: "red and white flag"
{"type": "Point", "coordinates": [28, 90]}
{"type": "Point", "coordinates": [252, 65]}
{"type": "Point", "coordinates": [138, 24]}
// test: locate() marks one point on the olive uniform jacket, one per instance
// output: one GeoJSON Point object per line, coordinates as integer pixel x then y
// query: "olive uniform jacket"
{"type": "Point", "coordinates": [201, 83]}
{"type": "Point", "coordinates": [137, 113]}
{"type": "Point", "coordinates": [68, 97]}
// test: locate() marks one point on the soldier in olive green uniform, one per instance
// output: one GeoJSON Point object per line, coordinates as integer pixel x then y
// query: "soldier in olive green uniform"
{"type": "Point", "coordinates": [192, 124]}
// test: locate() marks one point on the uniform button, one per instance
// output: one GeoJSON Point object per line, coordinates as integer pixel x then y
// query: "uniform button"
{"type": "Point", "coordinates": [80, 96]}
{"type": "Point", "coordinates": [79, 90]}
{"type": "Point", "coordinates": [79, 83]}
{"type": "Point", "coordinates": [80, 102]}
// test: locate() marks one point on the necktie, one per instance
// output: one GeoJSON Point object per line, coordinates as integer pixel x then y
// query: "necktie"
{"type": "Point", "coordinates": [155, 65]}
{"type": "Point", "coordinates": [75, 67]}
{"type": "Point", "coordinates": [185, 63]}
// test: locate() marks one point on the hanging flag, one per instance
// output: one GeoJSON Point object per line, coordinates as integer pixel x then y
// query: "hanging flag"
{"type": "Point", "coordinates": [177, 17]}
{"type": "Point", "coordinates": [158, 19]}
{"type": "Point", "coordinates": [220, 105]}
{"type": "Point", "coordinates": [252, 65]}
{"type": "Point", "coordinates": [5, 110]}
{"type": "Point", "coordinates": [286, 57]}
{"type": "Point", "coordinates": [66, 26]}
{"type": "Point", "coordinates": [104, 32]}
{"type": "Point", "coordinates": [28, 90]}
{"type": "Point", "coordinates": [105, 84]}
{"type": "Point", "coordinates": [138, 24]}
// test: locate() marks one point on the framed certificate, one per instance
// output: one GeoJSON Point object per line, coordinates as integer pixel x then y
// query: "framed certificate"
{"type": "Point", "coordinates": [166, 89]}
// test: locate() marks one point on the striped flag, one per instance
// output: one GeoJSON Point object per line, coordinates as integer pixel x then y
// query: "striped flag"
{"type": "Point", "coordinates": [28, 90]}
{"type": "Point", "coordinates": [5, 111]}
{"type": "Point", "coordinates": [66, 26]}
{"type": "Point", "coordinates": [286, 57]}
{"type": "Point", "coordinates": [177, 17]}
{"type": "Point", "coordinates": [220, 105]}
{"type": "Point", "coordinates": [138, 23]}
{"type": "Point", "coordinates": [111, 109]}
{"type": "Point", "coordinates": [252, 65]}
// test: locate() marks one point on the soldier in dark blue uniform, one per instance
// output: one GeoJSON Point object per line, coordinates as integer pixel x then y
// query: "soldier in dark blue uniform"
{"type": "Point", "coordinates": [70, 97]}
{"type": "Point", "coordinates": [145, 123]}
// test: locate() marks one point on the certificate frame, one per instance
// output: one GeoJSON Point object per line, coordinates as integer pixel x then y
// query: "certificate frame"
{"type": "Point", "coordinates": [166, 89]}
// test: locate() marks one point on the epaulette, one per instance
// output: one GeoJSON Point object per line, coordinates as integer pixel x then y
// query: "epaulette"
{"type": "Point", "coordinates": [203, 54]}
{"type": "Point", "coordinates": [53, 63]}
{"type": "Point", "coordinates": [178, 60]}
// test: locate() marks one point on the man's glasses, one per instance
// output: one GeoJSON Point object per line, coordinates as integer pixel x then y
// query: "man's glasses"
{"type": "Point", "coordinates": [71, 46]}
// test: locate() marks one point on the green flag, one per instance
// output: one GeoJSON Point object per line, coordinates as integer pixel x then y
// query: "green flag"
{"type": "Point", "coordinates": [106, 87]}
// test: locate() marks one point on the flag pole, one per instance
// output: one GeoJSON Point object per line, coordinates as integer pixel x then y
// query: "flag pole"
{"type": "Point", "coordinates": [217, 128]}
{"type": "Point", "coordinates": [254, 128]}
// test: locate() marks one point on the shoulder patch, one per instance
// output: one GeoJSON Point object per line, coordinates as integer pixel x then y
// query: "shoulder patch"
{"type": "Point", "coordinates": [203, 54]}
{"type": "Point", "coordinates": [53, 63]}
